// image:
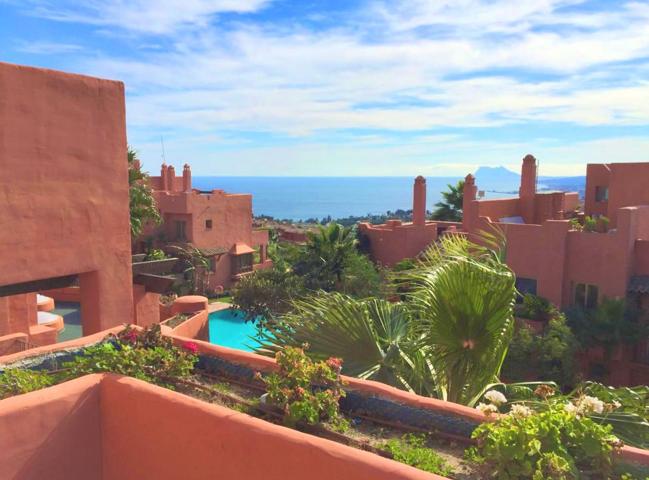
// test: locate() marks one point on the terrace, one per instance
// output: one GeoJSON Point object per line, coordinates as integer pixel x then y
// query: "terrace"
{"type": "Point", "coordinates": [128, 428]}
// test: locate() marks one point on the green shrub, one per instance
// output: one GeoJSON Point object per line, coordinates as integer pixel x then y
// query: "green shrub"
{"type": "Point", "coordinates": [629, 418]}
{"type": "Point", "coordinates": [267, 294]}
{"type": "Point", "coordinates": [305, 390]}
{"type": "Point", "coordinates": [536, 308]}
{"type": "Point", "coordinates": [548, 356]}
{"type": "Point", "coordinates": [613, 323]}
{"type": "Point", "coordinates": [557, 443]}
{"type": "Point", "coordinates": [16, 381]}
{"type": "Point", "coordinates": [411, 449]}
{"type": "Point", "coordinates": [590, 224]}
{"type": "Point", "coordinates": [144, 355]}
{"type": "Point", "coordinates": [155, 254]}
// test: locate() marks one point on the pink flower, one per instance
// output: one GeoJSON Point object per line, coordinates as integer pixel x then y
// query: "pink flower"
{"type": "Point", "coordinates": [191, 347]}
{"type": "Point", "coordinates": [335, 363]}
{"type": "Point", "coordinates": [130, 336]}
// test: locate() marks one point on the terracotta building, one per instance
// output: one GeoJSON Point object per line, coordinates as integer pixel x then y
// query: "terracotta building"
{"type": "Point", "coordinates": [217, 223]}
{"type": "Point", "coordinates": [395, 240]}
{"type": "Point", "coordinates": [549, 254]}
{"type": "Point", "coordinates": [552, 258]}
{"type": "Point", "coordinates": [64, 219]}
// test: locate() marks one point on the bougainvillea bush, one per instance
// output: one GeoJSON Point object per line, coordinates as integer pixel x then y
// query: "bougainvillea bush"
{"type": "Point", "coordinates": [145, 355]}
{"type": "Point", "coordinates": [305, 390]}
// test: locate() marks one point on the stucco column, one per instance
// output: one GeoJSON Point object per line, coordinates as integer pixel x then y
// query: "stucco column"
{"type": "Point", "coordinates": [419, 201]}
{"type": "Point", "coordinates": [171, 178]}
{"type": "Point", "coordinates": [187, 178]}
{"type": "Point", "coordinates": [527, 190]}
{"type": "Point", "coordinates": [469, 215]}
{"type": "Point", "coordinates": [163, 177]}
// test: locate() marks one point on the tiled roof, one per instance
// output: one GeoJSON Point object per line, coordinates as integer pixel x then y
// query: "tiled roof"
{"type": "Point", "coordinates": [639, 284]}
{"type": "Point", "coordinates": [241, 249]}
{"type": "Point", "coordinates": [209, 252]}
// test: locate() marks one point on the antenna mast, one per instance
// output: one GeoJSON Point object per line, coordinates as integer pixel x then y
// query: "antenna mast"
{"type": "Point", "coordinates": [164, 159]}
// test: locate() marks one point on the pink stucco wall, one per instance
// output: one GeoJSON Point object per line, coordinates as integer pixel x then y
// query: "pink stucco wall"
{"type": "Point", "coordinates": [395, 241]}
{"type": "Point", "coordinates": [112, 427]}
{"type": "Point", "coordinates": [141, 440]}
{"type": "Point", "coordinates": [64, 178]}
{"type": "Point", "coordinates": [53, 433]}
{"type": "Point", "coordinates": [195, 327]}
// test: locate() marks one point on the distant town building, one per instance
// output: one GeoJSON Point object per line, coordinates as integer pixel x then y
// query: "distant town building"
{"type": "Point", "coordinates": [217, 223]}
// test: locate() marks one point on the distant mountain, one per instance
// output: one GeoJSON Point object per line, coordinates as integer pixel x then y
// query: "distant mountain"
{"type": "Point", "coordinates": [495, 174]}
{"type": "Point", "coordinates": [497, 179]}
{"type": "Point", "coordinates": [503, 180]}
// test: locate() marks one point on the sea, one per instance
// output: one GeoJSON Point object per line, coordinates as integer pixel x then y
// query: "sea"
{"type": "Point", "coordinates": [302, 198]}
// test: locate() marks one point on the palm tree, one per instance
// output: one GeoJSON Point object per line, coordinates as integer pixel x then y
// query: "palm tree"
{"type": "Point", "coordinates": [327, 251]}
{"type": "Point", "coordinates": [373, 337]}
{"type": "Point", "coordinates": [451, 208]}
{"type": "Point", "coordinates": [463, 300]}
{"type": "Point", "coordinates": [142, 205]}
{"type": "Point", "coordinates": [449, 341]}
{"type": "Point", "coordinates": [197, 266]}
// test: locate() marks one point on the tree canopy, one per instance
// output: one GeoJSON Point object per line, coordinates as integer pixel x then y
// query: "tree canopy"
{"type": "Point", "coordinates": [142, 205]}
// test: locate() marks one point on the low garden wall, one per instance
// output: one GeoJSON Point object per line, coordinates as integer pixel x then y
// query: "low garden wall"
{"type": "Point", "coordinates": [364, 398]}
{"type": "Point", "coordinates": [195, 327]}
{"type": "Point", "coordinates": [113, 427]}
{"type": "Point", "coordinates": [13, 343]}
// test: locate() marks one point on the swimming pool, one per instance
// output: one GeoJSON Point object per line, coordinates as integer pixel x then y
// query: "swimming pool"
{"type": "Point", "coordinates": [229, 329]}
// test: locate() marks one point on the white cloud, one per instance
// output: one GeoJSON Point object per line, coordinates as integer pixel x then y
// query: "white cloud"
{"type": "Point", "coordinates": [144, 16]}
{"type": "Point", "coordinates": [47, 48]}
{"type": "Point", "coordinates": [401, 66]}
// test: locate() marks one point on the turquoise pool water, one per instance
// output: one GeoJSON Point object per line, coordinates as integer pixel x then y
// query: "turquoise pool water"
{"type": "Point", "coordinates": [229, 329]}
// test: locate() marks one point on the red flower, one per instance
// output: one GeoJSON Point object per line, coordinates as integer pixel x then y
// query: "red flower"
{"type": "Point", "coordinates": [191, 347]}
{"type": "Point", "coordinates": [130, 336]}
{"type": "Point", "coordinates": [335, 363]}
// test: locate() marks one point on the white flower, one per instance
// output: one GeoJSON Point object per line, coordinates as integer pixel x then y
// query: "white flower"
{"type": "Point", "coordinates": [570, 408]}
{"type": "Point", "coordinates": [588, 404]}
{"type": "Point", "coordinates": [487, 409]}
{"type": "Point", "coordinates": [616, 404]}
{"type": "Point", "coordinates": [520, 411]}
{"type": "Point", "coordinates": [495, 397]}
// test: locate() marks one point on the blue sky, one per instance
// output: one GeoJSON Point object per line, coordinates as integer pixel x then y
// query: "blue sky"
{"type": "Point", "coordinates": [357, 87]}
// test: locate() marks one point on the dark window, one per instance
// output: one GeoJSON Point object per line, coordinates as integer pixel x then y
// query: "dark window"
{"type": "Point", "coordinates": [213, 263]}
{"type": "Point", "coordinates": [180, 230]}
{"type": "Point", "coordinates": [242, 263]}
{"type": "Point", "coordinates": [586, 296]}
{"type": "Point", "coordinates": [601, 194]}
{"type": "Point", "coordinates": [525, 286]}
{"type": "Point", "coordinates": [208, 224]}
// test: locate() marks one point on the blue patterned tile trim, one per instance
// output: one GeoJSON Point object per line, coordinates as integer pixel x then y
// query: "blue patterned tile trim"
{"type": "Point", "coordinates": [361, 403]}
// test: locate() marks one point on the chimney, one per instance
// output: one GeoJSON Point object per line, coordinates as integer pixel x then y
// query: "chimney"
{"type": "Point", "coordinates": [527, 192]}
{"type": "Point", "coordinates": [419, 201]}
{"type": "Point", "coordinates": [187, 178]}
{"type": "Point", "coordinates": [164, 185]}
{"type": "Point", "coordinates": [468, 197]}
{"type": "Point", "coordinates": [171, 178]}
{"type": "Point", "coordinates": [528, 177]}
